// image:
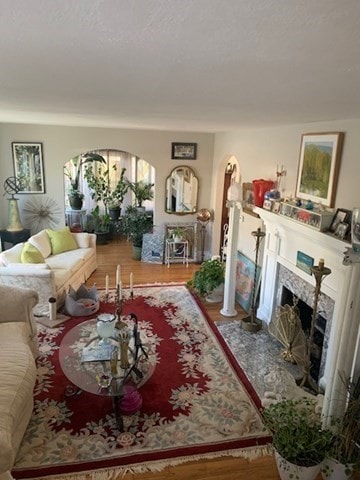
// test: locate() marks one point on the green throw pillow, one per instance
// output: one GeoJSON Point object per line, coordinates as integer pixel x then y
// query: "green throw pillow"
{"type": "Point", "coordinates": [31, 254]}
{"type": "Point", "coordinates": [61, 240]}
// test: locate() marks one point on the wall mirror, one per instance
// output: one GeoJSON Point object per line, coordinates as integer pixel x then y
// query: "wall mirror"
{"type": "Point", "coordinates": [182, 188]}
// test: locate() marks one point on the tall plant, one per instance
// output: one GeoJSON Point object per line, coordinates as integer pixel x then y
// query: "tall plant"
{"type": "Point", "coordinates": [76, 163]}
{"type": "Point", "coordinates": [101, 190]}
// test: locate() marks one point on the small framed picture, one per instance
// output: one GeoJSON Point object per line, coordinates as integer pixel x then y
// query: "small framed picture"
{"type": "Point", "coordinates": [183, 151]}
{"type": "Point", "coordinates": [342, 230]}
{"type": "Point", "coordinates": [341, 216]}
{"type": "Point", "coordinates": [276, 207]}
{"type": "Point", "coordinates": [248, 199]}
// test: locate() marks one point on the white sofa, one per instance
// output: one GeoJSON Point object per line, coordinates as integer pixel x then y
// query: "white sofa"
{"type": "Point", "coordinates": [18, 350]}
{"type": "Point", "coordinates": [56, 272]}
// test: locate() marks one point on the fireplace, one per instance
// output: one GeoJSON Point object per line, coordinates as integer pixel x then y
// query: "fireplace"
{"type": "Point", "coordinates": [339, 302]}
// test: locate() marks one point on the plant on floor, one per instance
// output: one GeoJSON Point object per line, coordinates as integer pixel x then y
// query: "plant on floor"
{"type": "Point", "coordinates": [134, 224]}
{"type": "Point", "coordinates": [298, 436]}
{"type": "Point", "coordinates": [345, 447]}
{"type": "Point", "coordinates": [210, 275]}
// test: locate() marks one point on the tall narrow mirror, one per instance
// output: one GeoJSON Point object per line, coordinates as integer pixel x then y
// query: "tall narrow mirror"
{"type": "Point", "coordinates": [182, 188]}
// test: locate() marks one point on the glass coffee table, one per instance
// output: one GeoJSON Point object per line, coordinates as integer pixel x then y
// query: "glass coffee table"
{"type": "Point", "coordinates": [94, 365]}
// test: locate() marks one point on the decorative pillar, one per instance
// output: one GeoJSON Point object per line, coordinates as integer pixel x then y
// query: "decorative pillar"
{"type": "Point", "coordinates": [234, 203]}
{"type": "Point", "coordinates": [14, 224]}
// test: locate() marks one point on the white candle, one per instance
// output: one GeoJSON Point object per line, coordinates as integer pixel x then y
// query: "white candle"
{"type": "Point", "coordinates": [131, 282]}
{"type": "Point", "coordinates": [118, 275]}
{"type": "Point", "coordinates": [107, 284]}
{"type": "Point", "coordinates": [120, 288]}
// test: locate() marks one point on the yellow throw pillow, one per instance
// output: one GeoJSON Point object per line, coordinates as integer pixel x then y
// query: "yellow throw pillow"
{"type": "Point", "coordinates": [31, 254]}
{"type": "Point", "coordinates": [61, 240]}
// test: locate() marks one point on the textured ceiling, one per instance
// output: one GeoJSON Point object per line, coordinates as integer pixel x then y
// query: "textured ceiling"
{"type": "Point", "coordinates": [198, 65]}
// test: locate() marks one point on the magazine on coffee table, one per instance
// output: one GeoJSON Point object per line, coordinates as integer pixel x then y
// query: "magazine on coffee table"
{"type": "Point", "coordinates": [96, 353]}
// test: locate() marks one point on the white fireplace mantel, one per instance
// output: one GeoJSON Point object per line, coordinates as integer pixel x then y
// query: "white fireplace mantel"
{"type": "Point", "coordinates": [284, 239]}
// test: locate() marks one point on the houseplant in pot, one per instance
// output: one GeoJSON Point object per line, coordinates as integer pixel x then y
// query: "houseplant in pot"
{"type": "Point", "coordinates": [134, 224]}
{"type": "Point", "coordinates": [73, 171]}
{"type": "Point", "coordinates": [100, 224]}
{"type": "Point", "coordinates": [343, 456]}
{"type": "Point", "coordinates": [142, 191]}
{"type": "Point", "coordinates": [299, 440]}
{"type": "Point", "coordinates": [112, 196]}
{"type": "Point", "coordinates": [209, 277]}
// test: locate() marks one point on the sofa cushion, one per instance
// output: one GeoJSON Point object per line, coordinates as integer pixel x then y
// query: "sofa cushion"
{"type": "Point", "coordinates": [13, 255]}
{"type": "Point", "coordinates": [31, 254]}
{"type": "Point", "coordinates": [82, 239]}
{"type": "Point", "coordinates": [16, 392]}
{"type": "Point", "coordinates": [42, 242]}
{"type": "Point", "coordinates": [71, 260]}
{"type": "Point", "coordinates": [61, 240]}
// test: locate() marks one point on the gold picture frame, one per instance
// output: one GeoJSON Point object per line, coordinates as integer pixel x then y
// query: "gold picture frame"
{"type": "Point", "coordinates": [319, 166]}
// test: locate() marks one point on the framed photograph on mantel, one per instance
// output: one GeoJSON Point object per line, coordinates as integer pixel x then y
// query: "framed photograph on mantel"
{"type": "Point", "coordinates": [28, 166]}
{"type": "Point", "coordinates": [318, 168]}
{"type": "Point", "coordinates": [183, 151]}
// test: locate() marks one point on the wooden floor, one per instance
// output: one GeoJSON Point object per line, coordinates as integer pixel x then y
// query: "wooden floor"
{"type": "Point", "coordinates": [225, 468]}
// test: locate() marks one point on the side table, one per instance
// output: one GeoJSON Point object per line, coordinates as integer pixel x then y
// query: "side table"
{"type": "Point", "coordinates": [176, 251]}
{"type": "Point", "coordinates": [14, 237]}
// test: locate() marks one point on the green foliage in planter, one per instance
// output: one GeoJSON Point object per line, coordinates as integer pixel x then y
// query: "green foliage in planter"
{"type": "Point", "coordinates": [101, 189]}
{"type": "Point", "coordinates": [134, 224]}
{"type": "Point", "coordinates": [297, 430]}
{"type": "Point", "coordinates": [210, 275]}
{"type": "Point", "coordinates": [101, 223]}
{"type": "Point", "coordinates": [74, 171]}
{"type": "Point", "coordinates": [142, 191]}
{"type": "Point", "coordinates": [345, 444]}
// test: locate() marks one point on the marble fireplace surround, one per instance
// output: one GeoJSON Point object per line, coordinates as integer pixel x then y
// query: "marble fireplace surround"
{"type": "Point", "coordinates": [284, 239]}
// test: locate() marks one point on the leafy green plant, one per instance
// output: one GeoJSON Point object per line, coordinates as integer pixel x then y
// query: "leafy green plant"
{"type": "Point", "coordinates": [345, 446]}
{"type": "Point", "coordinates": [99, 183]}
{"type": "Point", "coordinates": [135, 224]}
{"type": "Point", "coordinates": [177, 232]}
{"type": "Point", "coordinates": [297, 430]}
{"type": "Point", "coordinates": [100, 222]}
{"type": "Point", "coordinates": [74, 170]}
{"type": "Point", "coordinates": [142, 191]}
{"type": "Point", "coordinates": [210, 275]}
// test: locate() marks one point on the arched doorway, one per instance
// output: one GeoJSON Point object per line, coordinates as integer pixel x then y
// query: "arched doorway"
{"type": "Point", "coordinates": [136, 170]}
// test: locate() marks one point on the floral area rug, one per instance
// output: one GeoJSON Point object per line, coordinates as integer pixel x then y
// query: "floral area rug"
{"type": "Point", "coordinates": [197, 404]}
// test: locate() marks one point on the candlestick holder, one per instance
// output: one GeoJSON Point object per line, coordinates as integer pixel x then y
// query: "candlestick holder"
{"type": "Point", "coordinates": [252, 323]}
{"type": "Point", "coordinates": [306, 381]}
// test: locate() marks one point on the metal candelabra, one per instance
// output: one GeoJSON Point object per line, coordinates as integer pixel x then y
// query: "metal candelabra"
{"type": "Point", "coordinates": [306, 381]}
{"type": "Point", "coordinates": [252, 323]}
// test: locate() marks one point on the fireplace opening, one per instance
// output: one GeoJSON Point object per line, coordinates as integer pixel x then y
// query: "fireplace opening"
{"type": "Point", "coordinates": [305, 314]}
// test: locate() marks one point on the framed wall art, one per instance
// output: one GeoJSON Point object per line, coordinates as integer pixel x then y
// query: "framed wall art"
{"type": "Point", "coordinates": [29, 167]}
{"type": "Point", "coordinates": [245, 272]}
{"type": "Point", "coordinates": [318, 168]}
{"type": "Point", "coordinates": [183, 151]}
{"type": "Point", "coordinates": [341, 223]}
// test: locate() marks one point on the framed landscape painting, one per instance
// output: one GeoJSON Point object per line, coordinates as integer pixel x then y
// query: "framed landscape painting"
{"type": "Point", "coordinates": [319, 165]}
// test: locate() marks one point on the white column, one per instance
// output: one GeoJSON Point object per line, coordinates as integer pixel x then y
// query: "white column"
{"type": "Point", "coordinates": [234, 203]}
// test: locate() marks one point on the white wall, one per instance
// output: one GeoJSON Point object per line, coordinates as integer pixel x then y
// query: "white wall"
{"type": "Point", "coordinates": [62, 143]}
{"type": "Point", "coordinates": [258, 151]}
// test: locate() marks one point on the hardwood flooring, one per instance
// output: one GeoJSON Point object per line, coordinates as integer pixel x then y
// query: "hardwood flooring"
{"type": "Point", "coordinates": [224, 468]}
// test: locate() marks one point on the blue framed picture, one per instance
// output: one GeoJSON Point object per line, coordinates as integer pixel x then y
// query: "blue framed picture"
{"type": "Point", "coordinates": [304, 262]}
{"type": "Point", "coordinates": [245, 273]}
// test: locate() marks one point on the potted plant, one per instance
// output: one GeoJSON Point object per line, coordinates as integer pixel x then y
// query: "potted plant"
{"type": "Point", "coordinates": [343, 456]}
{"type": "Point", "coordinates": [73, 174]}
{"type": "Point", "coordinates": [299, 440]}
{"type": "Point", "coordinates": [100, 224]}
{"type": "Point", "coordinates": [210, 276]}
{"type": "Point", "coordinates": [177, 234]}
{"type": "Point", "coordinates": [142, 192]}
{"type": "Point", "coordinates": [134, 224]}
{"type": "Point", "coordinates": [99, 184]}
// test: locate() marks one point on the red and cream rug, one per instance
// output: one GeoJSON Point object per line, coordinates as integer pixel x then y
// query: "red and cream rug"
{"type": "Point", "coordinates": [198, 403]}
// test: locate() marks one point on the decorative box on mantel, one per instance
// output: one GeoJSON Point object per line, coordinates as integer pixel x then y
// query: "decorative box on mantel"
{"type": "Point", "coordinates": [319, 220]}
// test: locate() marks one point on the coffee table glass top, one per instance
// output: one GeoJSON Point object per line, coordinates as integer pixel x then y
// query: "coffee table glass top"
{"type": "Point", "coordinates": [90, 369]}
